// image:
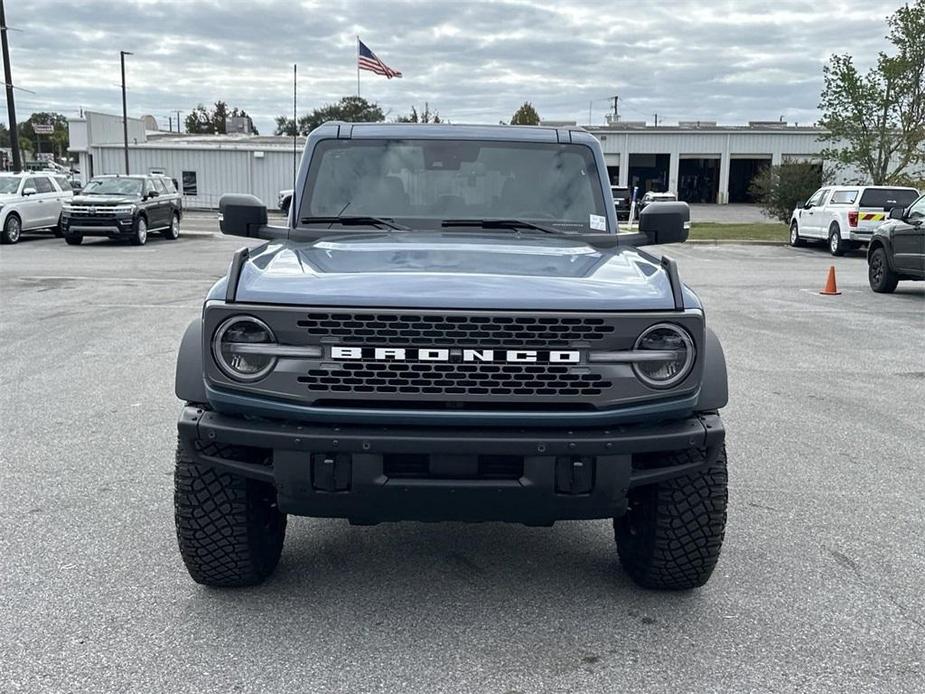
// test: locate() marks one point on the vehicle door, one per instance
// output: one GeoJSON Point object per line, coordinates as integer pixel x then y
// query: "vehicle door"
{"type": "Point", "coordinates": [29, 206]}
{"type": "Point", "coordinates": [49, 203]}
{"type": "Point", "coordinates": [811, 216]}
{"type": "Point", "coordinates": [153, 205]}
{"type": "Point", "coordinates": [165, 200]}
{"type": "Point", "coordinates": [909, 240]}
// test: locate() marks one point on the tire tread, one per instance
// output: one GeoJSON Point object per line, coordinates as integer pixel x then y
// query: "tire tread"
{"type": "Point", "coordinates": [672, 534]}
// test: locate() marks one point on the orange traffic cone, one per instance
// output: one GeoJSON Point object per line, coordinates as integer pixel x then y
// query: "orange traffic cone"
{"type": "Point", "coordinates": [830, 286]}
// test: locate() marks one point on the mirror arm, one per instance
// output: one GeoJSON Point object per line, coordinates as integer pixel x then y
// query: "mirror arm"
{"type": "Point", "coordinates": [269, 232]}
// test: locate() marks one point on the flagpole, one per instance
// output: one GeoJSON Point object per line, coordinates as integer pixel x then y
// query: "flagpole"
{"type": "Point", "coordinates": [358, 66]}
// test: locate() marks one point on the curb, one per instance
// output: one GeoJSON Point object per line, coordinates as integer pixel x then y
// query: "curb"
{"type": "Point", "coordinates": [744, 242]}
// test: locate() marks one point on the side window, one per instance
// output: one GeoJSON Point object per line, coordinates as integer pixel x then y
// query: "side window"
{"type": "Point", "coordinates": [29, 183]}
{"type": "Point", "coordinates": [159, 186]}
{"type": "Point", "coordinates": [844, 197]}
{"type": "Point", "coordinates": [149, 186]}
{"type": "Point", "coordinates": [43, 185]}
{"type": "Point", "coordinates": [816, 198]}
{"type": "Point", "coordinates": [62, 183]}
{"type": "Point", "coordinates": [189, 183]}
{"type": "Point", "coordinates": [917, 211]}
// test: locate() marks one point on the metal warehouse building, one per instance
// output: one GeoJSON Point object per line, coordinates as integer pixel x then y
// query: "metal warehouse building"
{"type": "Point", "coordinates": [701, 161]}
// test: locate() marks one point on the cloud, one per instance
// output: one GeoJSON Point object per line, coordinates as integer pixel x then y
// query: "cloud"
{"type": "Point", "coordinates": [473, 61]}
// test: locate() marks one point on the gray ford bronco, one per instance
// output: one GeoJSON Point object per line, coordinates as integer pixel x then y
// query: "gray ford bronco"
{"type": "Point", "coordinates": [451, 327]}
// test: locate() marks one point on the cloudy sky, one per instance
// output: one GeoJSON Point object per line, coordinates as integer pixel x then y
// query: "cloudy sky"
{"type": "Point", "coordinates": [474, 61]}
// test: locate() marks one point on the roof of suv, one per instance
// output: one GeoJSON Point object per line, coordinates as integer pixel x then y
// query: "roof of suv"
{"type": "Point", "coordinates": [447, 131]}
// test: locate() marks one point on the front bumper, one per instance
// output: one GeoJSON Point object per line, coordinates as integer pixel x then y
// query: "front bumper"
{"type": "Point", "coordinates": [112, 226]}
{"type": "Point", "coordinates": [369, 474]}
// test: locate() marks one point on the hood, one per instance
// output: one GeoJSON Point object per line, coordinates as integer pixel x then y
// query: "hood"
{"type": "Point", "coordinates": [8, 196]}
{"type": "Point", "coordinates": [104, 200]}
{"type": "Point", "coordinates": [475, 270]}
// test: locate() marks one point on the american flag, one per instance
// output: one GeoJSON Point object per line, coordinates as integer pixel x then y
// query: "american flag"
{"type": "Point", "coordinates": [367, 60]}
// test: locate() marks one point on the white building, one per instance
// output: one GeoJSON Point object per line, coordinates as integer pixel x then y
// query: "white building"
{"type": "Point", "coordinates": [702, 161]}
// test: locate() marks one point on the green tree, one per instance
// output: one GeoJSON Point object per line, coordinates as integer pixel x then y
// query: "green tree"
{"type": "Point", "coordinates": [4, 135]}
{"type": "Point", "coordinates": [57, 143]}
{"type": "Point", "coordinates": [525, 115]}
{"type": "Point", "coordinates": [425, 116]}
{"type": "Point", "coordinates": [205, 121]}
{"type": "Point", "coordinates": [875, 122]}
{"type": "Point", "coordinates": [779, 189]}
{"type": "Point", "coordinates": [351, 109]}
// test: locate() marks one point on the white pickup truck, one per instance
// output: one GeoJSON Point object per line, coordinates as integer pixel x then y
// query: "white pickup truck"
{"type": "Point", "coordinates": [845, 216]}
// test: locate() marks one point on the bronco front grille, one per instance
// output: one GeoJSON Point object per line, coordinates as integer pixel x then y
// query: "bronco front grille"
{"type": "Point", "coordinates": [455, 379]}
{"type": "Point", "coordinates": [427, 329]}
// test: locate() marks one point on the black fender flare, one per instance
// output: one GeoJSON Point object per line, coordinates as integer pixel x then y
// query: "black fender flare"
{"type": "Point", "coordinates": [188, 382]}
{"type": "Point", "coordinates": [714, 388]}
{"type": "Point", "coordinates": [884, 243]}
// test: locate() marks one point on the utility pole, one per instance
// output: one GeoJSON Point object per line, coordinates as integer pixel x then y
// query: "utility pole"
{"type": "Point", "coordinates": [122, 55]}
{"type": "Point", "coordinates": [178, 122]}
{"type": "Point", "coordinates": [295, 123]}
{"type": "Point", "coordinates": [656, 120]}
{"type": "Point", "coordinates": [616, 112]}
{"type": "Point", "coordinates": [170, 123]}
{"type": "Point", "coordinates": [8, 80]}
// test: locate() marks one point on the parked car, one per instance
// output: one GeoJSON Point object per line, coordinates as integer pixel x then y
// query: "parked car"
{"type": "Point", "coordinates": [621, 202]}
{"type": "Point", "coordinates": [897, 248]}
{"type": "Point", "coordinates": [126, 207]}
{"type": "Point", "coordinates": [651, 197]}
{"type": "Point", "coordinates": [438, 357]}
{"type": "Point", "coordinates": [284, 200]}
{"type": "Point", "coordinates": [845, 217]}
{"type": "Point", "coordinates": [29, 202]}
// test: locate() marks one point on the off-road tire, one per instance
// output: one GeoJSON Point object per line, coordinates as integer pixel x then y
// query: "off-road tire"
{"type": "Point", "coordinates": [882, 279]}
{"type": "Point", "coordinates": [172, 233]}
{"type": "Point", "coordinates": [837, 246]}
{"type": "Point", "coordinates": [139, 232]}
{"type": "Point", "coordinates": [229, 529]}
{"type": "Point", "coordinates": [12, 229]}
{"type": "Point", "coordinates": [795, 239]}
{"type": "Point", "coordinates": [73, 239]}
{"type": "Point", "coordinates": [671, 535]}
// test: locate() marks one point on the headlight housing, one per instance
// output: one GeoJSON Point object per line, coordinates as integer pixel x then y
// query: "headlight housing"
{"type": "Point", "coordinates": [230, 348]}
{"type": "Point", "coordinates": [679, 351]}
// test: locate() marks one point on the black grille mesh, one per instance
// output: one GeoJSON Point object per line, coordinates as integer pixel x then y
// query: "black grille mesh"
{"type": "Point", "coordinates": [423, 330]}
{"type": "Point", "coordinates": [418, 378]}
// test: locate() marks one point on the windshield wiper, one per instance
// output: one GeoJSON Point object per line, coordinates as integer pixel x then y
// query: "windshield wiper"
{"type": "Point", "coordinates": [355, 220]}
{"type": "Point", "coordinates": [500, 224]}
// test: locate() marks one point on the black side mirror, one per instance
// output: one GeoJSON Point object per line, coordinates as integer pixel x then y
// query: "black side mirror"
{"type": "Point", "coordinates": [897, 213]}
{"type": "Point", "coordinates": [806, 205]}
{"type": "Point", "coordinates": [665, 222]}
{"type": "Point", "coordinates": [242, 215]}
{"type": "Point", "coordinates": [152, 194]}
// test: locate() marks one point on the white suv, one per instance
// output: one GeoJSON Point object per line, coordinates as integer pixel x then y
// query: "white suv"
{"type": "Point", "coordinates": [31, 200]}
{"type": "Point", "coordinates": [845, 216]}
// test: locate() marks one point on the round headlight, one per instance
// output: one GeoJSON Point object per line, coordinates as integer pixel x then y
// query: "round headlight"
{"type": "Point", "coordinates": [678, 347]}
{"type": "Point", "coordinates": [231, 353]}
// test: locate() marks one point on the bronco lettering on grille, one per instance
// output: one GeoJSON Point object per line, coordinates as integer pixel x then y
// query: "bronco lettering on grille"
{"type": "Point", "coordinates": [437, 354]}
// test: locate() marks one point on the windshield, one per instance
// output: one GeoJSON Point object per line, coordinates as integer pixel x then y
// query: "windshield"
{"type": "Point", "coordinates": [423, 183]}
{"type": "Point", "coordinates": [9, 184]}
{"type": "Point", "coordinates": [888, 198]}
{"type": "Point", "coordinates": [114, 186]}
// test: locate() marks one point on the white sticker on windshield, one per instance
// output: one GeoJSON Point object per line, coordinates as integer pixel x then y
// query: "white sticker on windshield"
{"type": "Point", "coordinates": [598, 223]}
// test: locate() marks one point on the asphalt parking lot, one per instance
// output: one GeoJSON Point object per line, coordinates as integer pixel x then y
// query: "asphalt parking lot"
{"type": "Point", "coordinates": [819, 587]}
